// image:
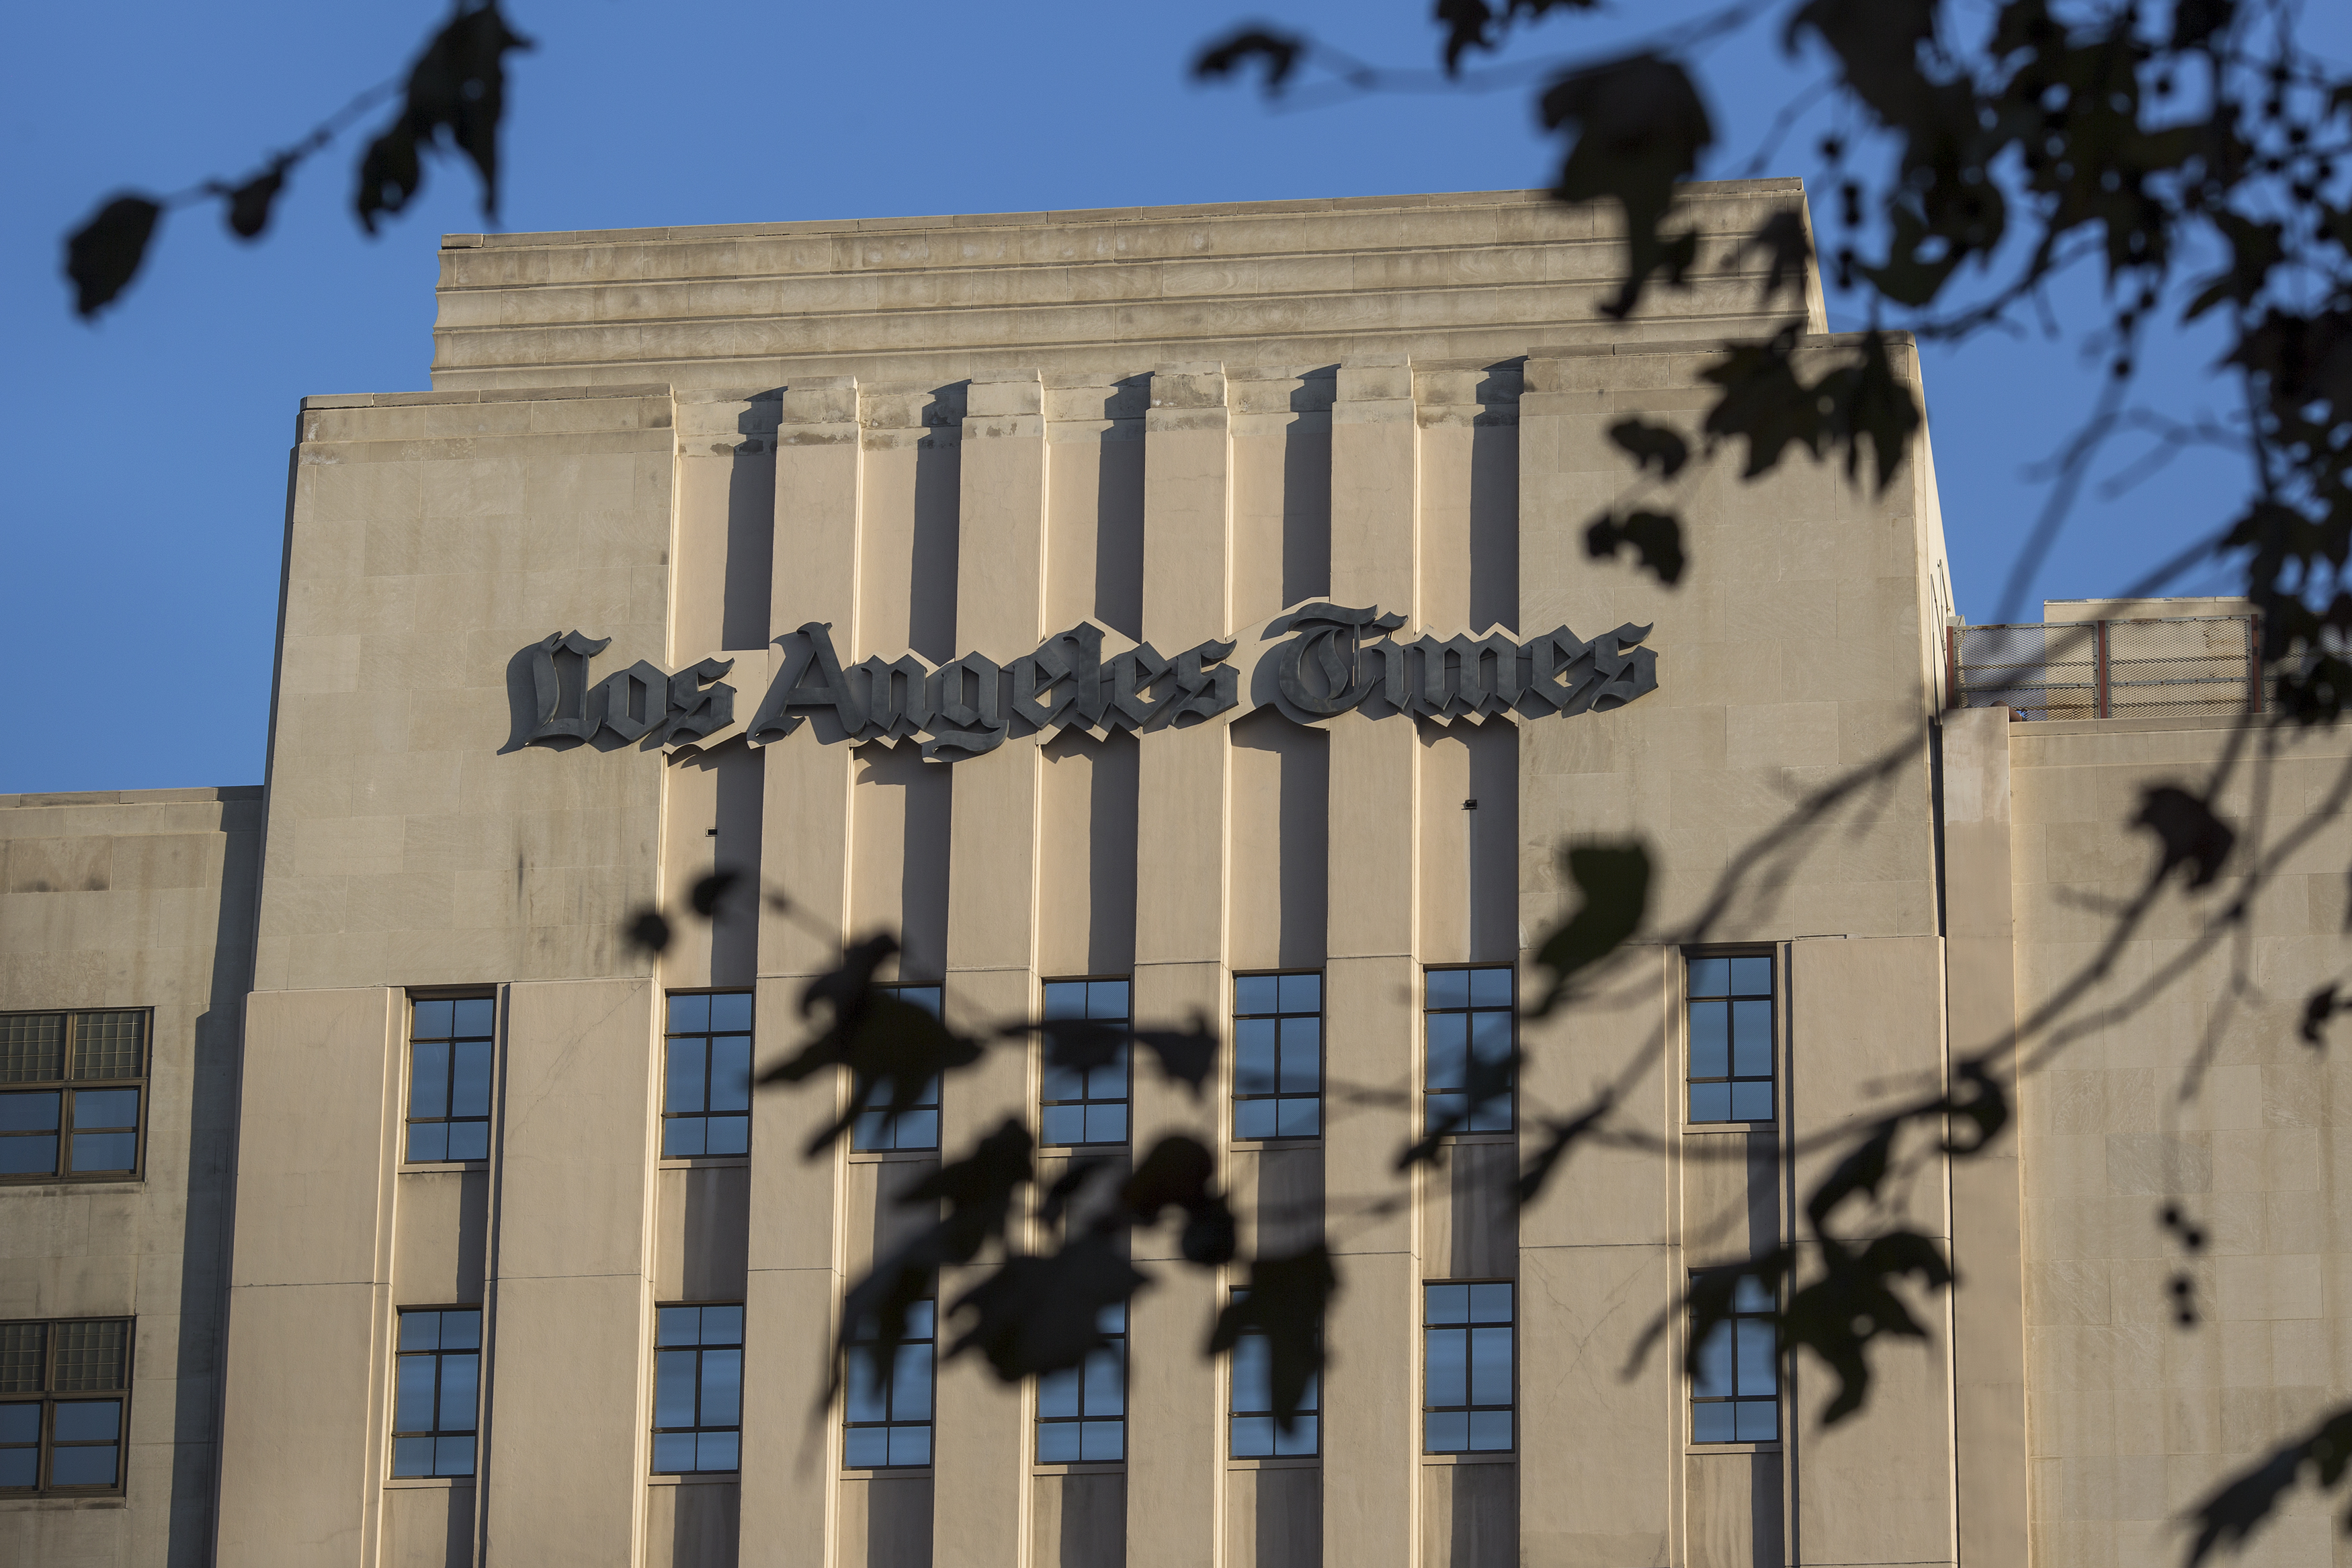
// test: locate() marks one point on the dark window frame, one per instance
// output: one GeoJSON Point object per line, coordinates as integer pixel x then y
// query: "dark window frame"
{"type": "Point", "coordinates": [671, 1039]}
{"type": "Point", "coordinates": [1735, 1083]}
{"type": "Point", "coordinates": [700, 1348]}
{"type": "Point", "coordinates": [48, 1396]}
{"type": "Point", "coordinates": [1088, 1098]}
{"type": "Point", "coordinates": [1750, 1303]}
{"type": "Point", "coordinates": [69, 1086]}
{"type": "Point", "coordinates": [1310, 1410]}
{"type": "Point", "coordinates": [886, 1391]}
{"type": "Point", "coordinates": [1278, 1095]}
{"type": "Point", "coordinates": [439, 1355]}
{"type": "Point", "coordinates": [409, 1121]}
{"type": "Point", "coordinates": [870, 1125]}
{"type": "Point", "coordinates": [1086, 1418]}
{"type": "Point", "coordinates": [1472, 1407]}
{"type": "Point", "coordinates": [1472, 1009]}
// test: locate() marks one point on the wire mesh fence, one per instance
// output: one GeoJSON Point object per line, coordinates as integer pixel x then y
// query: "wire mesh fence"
{"type": "Point", "coordinates": [2175, 666]}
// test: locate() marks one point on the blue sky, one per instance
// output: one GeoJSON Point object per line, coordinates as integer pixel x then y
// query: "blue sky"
{"type": "Point", "coordinates": [147, 455]}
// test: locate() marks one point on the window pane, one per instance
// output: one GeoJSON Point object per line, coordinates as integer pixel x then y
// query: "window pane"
{"type": "Point", "coordinates": [1102, 1441]}
{"type": "Point", "coordinates": [1447, 1113]}
{"type": "Point", "coordinates": [690, 1015]}
{"type": "Point", "coordinates": [1490, 1303]}
{"type": "Point", "coordinates": [871, 1132]}
{"type": "Point", "coordinates": [718, 1451]}
{"type": "Point", "coordinates": [924, 996]}
{"type": "Point", "coordinates": [1493, 1116]}
{"type": "Point", "coordinates": [82, 1466]}
{"type": "Point", "coordinates": [1751, 1102]}
{"type": "Point", "coordinates": [1711, 1423]}
{"type": "Point", "coordinates": [1751, 1035]}
{"type": "Point", "coordinates": [452, 1455]}
{"type": "Point", "coordinates": [1253, 1437]}
{"type": "Point", "coordinates": [1446, 1304]}
{"type": "Point", "coordinates": [1253, 1056]}
{"type": "Point", "coordinates": [458, 1374]}
{"type": "Point", "coordinates": [28, 1157]}
{"type": "Point", "coordinates": [1302, 1055]}
{"type": "Point", "coordinates": [1710, 1045]}
{"type": "Point", "coordinates": [1710, 976]}
{"type": "Point", "coordinates": [1112, 1319]}
{"type": "Point", "coordinates": [1448, 988]}
{"type": "Point", "coordinates": [1444, 1366]}
{"type": "Point", "coordinates": [919, 1129]}
{"type": "Point", "coordinates": [1109, 1081]}
{"type": "Point", "coordinates": [470, 1094]}
{"type": "Point", "coordinates": [90, 1355]}
{"type": "Point", "coordinates": [412, 1456]}
{"type": "Point", "coordinates": [1061, 1083]}
{"type": "Point", "coordinates": [472, 1016]}
{"type": "Point", "coordinates": [460, 1330]}
{"type": "Point", "coordinates": [1057, 1442]}
{"type": "Point", "coordinates": [861, 1447]}
{"type": "Point", "coordinates": [1446, 1434]}
{"type": "Point", "coordinates": [1490, 1366]}
{"type": "Point", "coordinates": [1490, 1431]}
{"type": "Point", "coordinates": [29, 1112]}
{"type": "Point", "coordinates": [1252, 1119]}
{"type": "Point", "coordinates": [413, 1408]}
{"type": "Point", "coordinates": [88, 1421]}
{"type": "Point", "coordinates": [722, 1387]}
{"type": "Point", "coordinates": [1065, 1125]}
{"type": "Point", "coordinates": [431, 1020]}
{"type": "Point", "coordinates": [32, 1048]}
{"type": "Point", "coordinates": [674, 1389]}
{"type": "Point", "coordinates": [678, 1326]}
{"type": "Point", "coordinates": [1490, 987]}
{"type": "Point", "coordinates": [1254, 993]}
{"type": "Point", "coordinates": [1758, 1365]}
{"type": "Point", "coordinates": [1107, 1000]}
{"type": "Point", "coordinates": [1058, 1394]}
{"type": "Point", "coordinates": [1710, 1102]}
{"type": "Point", "coordinates": [428, 1141]}
{"type": "Point", "coordinates": [682, 1090]}
{"type": "Point", "coordinates": [730, 1073]}
{"type": "Point", "coordinates": [1106, 1123]}
{"type": "Point", "coordinates": [727, 1136]}
{"type": "Point", "coordinates": [1299, 1437]}
{"type": "Point", "coordinates": [1748, 1294]}
{"type": "Point", "coordinates": [104, 1151]}
{"type": "Point", "coordinates": [1065, 999]}
{"type": "Point", "coordinates": [1253, 1374]}
{"type": "Point", "coordinates": [1449, 1048]}
{"type": "Point", "coordinates": [729, 1012]}
{"type": "Point", "coordinates": [1299, 1118]}
{"type": "Point", "coordinates": [1490, 1037]}
{"type": "Point", "coordinates": [19, 1467]}
{"type": "Point", "coordinates": [1755, 1420]}
{"type": "Point", "coordinates": [919, 1320]}
{"type": "Point", "coordinates": [105, 1108]}
{"type": "Point", "coordinates": [866, 1398]}
{"type": "Point", "coordinates": [911, 1385]}
{"type": "Point", "coordinates": [1713, 1380]}
{"type": "Point", "coordinates": [420, 1331]}
{"type": "Point", "coordinates": [1106, 1384]}
{"type": "Point", "coordinates": [1751, 977]}
{"type": "Point", "coordinates": [428, 1079]}
{"type": "Point", "coordinates": [1300, 993]}
{"type": "Point", "coordinates": [469, 1140]}
{"type": "Point", "coordinates": [683, 1137]}
{"type": "Point", "coordinates": [673, 1453]}
{"type": "Point", "coordinates": [20, 1423]}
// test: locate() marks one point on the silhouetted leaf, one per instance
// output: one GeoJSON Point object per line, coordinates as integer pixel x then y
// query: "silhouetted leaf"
{"type": "Point", "coordinates": [1766, 404]}
{"type": "Point", "coordinates": [978, 1191]}
{"type": "Point", "coordinates": [457, 87]}
{"type": "Point", "coordinates": [1782, 238]}
{"type": "Point", "coordinates": [1614, 879]}
{"type": "Point", "coordinates": [709, 891]}
{"type": "Point", "coordinates": [1986, 1109]}
{"type": "Point", "coordinates": [104, 253]}
{"type": "Point", "coordinates": [2190, 834]}
{"type": "Point", "coordinates": [1837, 1316]}
{"type": "Point", "coordinates": [1066, 1185]}
{"type": "Point", "coordinates": [1650, 446]}
{"type": "Point", "coordinates": [1638, 127]}
{"type": "Point", "coordinates": [2317, 1008]}
{"type": "Point", "coordinates": [647, 930]}
{"type": "Point", "coordinates": [1860, 1172]}
{"type": "Point", "coordinates": [1036, 1315]}
{"type": "Point", "coordinates": [1187, 1058]}
{"type": "Point", "coordinates": [1487, 1080]}
{"type": "Point", "coordinates": [1477, 25]}
{"type": "Point", "coordinates": [886, 1043]}
{"type": "Point", "coordinates": [1876, 43]}
{"type": "Point", "coordinates": [2254, 250]}
{"type": "Point", "coordinates": [1286, 1301]}
{"type": "Point", "coordinates": [1559, 1138]}
{"type": "Point", "coordinates": [1864, 401]}
{"type": "Point", "coordinates": [883, 1299]}
{"type": "Point", "coordinates": [1210, 1236]}
{"type": "Point", "coordinates": [1277, 54]}
{"type": "Point", "coordinates": [248, 204]}
{"type": "Point", "coordinates": [2195, 21]}
{"type": "Point", "coordinates": [1178, 1172]}
{"type": "Point", "coordinates": [2229, 1516]}
{"type": "Point", "coordinates": [1074, 1045]}
{"type": "Point", "coordinates": [1656, 539]}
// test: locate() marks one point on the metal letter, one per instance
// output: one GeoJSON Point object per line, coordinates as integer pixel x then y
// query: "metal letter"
{"type": "Point", "coordinates": [968, 728]}
{"type": "Point", "coordinates": [1204, 686]}
{"type": "Point", "coordinates": [696, 710]}
{"type": "Point", "coordinates": [897, 694]}
{"type": "Point", "coordinates": [812, 678]}
{"type": "Point", "coordinates": [1331, 634]}
{"type": "Point", "coordinates": [630, 702]}
{"type": "Point", "coordinates": [562, 653]}
{"type": "Point", "coordinates": [1130, 673]}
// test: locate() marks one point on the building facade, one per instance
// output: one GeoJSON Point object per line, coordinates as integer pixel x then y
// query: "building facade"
{"type": "Point", "coordinates": [1145, 615]}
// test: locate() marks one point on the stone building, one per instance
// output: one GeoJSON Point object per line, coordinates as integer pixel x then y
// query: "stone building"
{"type": "Point", "coordinates": [1146, 612]}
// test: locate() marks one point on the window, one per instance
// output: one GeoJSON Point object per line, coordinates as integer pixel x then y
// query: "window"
{"type": "Point", "coordinates": [917, 1128]}
{"type": "Point", "coordinates": [1082, 1413]}
{"type": "Point", "coordinates": [1256, 1434]}
{"type": "Point", "coordinates": [64, 1389]}
{"type": "Point", "coordinates": [449, 1046]}
{"type": "Point", "coordinates": [707, 1078]}
{"type": "Point", "coordinates": [699, 1390]}
{"type": "Point", "coordinates": [1088, 1107]}
{"type": "Point", "coordinates": [1736, 1397]}
{"type": "Point", "coordinates": [1277, 1056]}
{"type": "Point", "coordinates": [1467, 1021]}
{"type": "Point", "coordinates": [437, 1379]}
{"type": "Point", "coordinates": [887, 1418]}
{"type": "Point", "coordinates": [84, 1121]}
{"type": "Point", "coordinates": [1466, 1368]}
{"type": "Point", "coordinates": [1731, 1038]}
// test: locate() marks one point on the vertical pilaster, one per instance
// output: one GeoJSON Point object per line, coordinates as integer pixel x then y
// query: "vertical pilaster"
{"type": "Point", "coordinates": [793, 1281]}
{"type": "Point", "coordinates": [1175, 1464]}
{"type": "Point", "coordinates": [1372, 1426]}
{"type": "Point", "coordinates": [982, 1456]}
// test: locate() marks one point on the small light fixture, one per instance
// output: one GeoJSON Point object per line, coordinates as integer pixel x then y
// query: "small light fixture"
{"type": "Point", "coordinates": [1471, 804]}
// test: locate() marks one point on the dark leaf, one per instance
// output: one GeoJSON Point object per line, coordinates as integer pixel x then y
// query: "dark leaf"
{"type": "Point", "coordinates": [1187, 1056]}
{"type": "Point", "coordinates": [1763, 402]}
{"type": "Point", "coordinates": [1713, 1295]}
{"type": "Point", "coordinates": [1615, 882]}
{"type": "Point", "coordinates": [1179, 1171]}
{"type": "Point", "coordinates": [878, 1305]}
{"type": "Point", "coordinates": [1277, 54]}
{"type": "Point", "coordinates": [978, 1191]}
{"type": "Point", "coordinates": [104, 253]}
{"type": "Point", "coordinates": [1782, 238]}
{"type": "Point", "coordinates": [1638, 126]}
{"type": "Point", "coordinates": [648, 929]}
{"type": "Point", "coordinates": [1489, 1078]}
{"type": "Point", "coordinates": [1866, 401]}
{"type": "Point", "coordinates": [2254, 250]}
{"type": "Point", "coordinates": [1839, 1314]}
{"type": "Point", "coordinates": [2196, 21]}
{"type": "Point", "coordinates": [893, 1049]}
{"type": "Point", "coordinates": [1859, 1172]}
{"type": "Point", "coordinates": [1651, 445]}
{"type": "Point", "coordinates": [1211, 1238]}
{"type": "Point", "coordinates": [2229, 1516]}
{"type": "Point", "coordinates": [1559, 1138]}
{"type": "Point", "coordinates": [1066, 1188]}
{"type": "Point", "coordinates": [1075, 1045]}
{"type": "Point", "coordinates": [844, 990]}
{"type": "Point", "coordinates": [1986, 1109]}
{"type": "Point", "coordinates": [248, 204]}
{"type": "Point", "coordinates": [457, 87]}
{"type": "Point", "coordinates": [2190, 834]}
{"type": "Point", "coordinates": [1286, 1301]}
{"type": "Point", "coordinates": [1656, 539]}
{"type": "Point", "coordinates": [1036, 1315]}
{"type": "Point", "coordinates": [2317, 1008]}
{"type": "Point", "coordinates": [711, 889]}
{"type": "Point", "coordinates": [1473, 24]}
{"type": "Point", "coordinates": [1876, 43]}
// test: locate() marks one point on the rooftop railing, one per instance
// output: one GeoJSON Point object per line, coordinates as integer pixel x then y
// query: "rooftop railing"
{"type": "Point", "coordinates": [2172, 666]}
